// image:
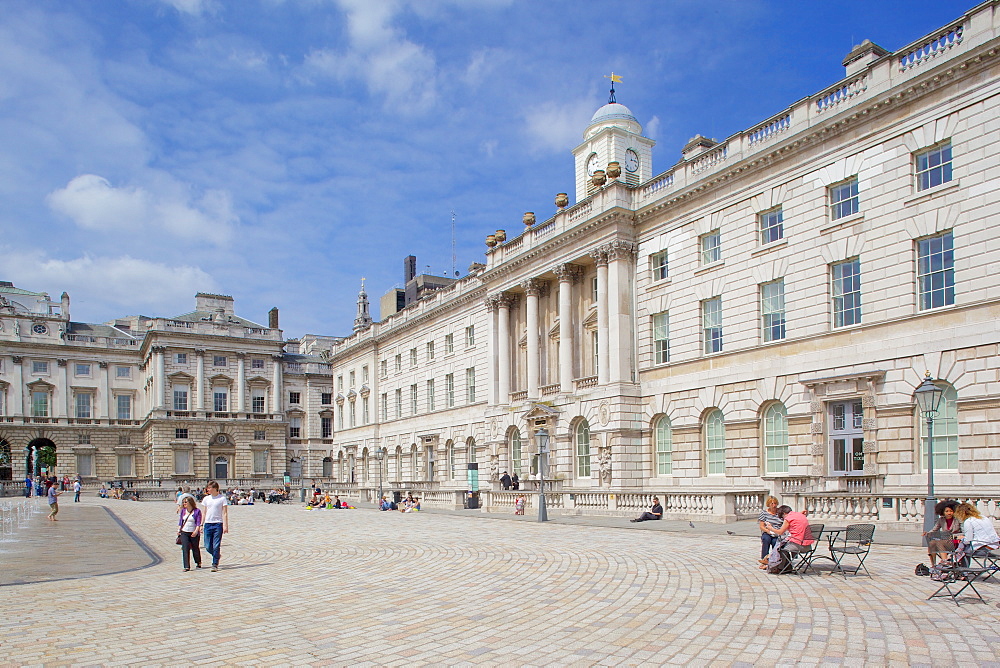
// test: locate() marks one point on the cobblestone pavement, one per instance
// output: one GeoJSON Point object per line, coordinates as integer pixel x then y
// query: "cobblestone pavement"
{"type": "Point", "coordinates": [367, 588]}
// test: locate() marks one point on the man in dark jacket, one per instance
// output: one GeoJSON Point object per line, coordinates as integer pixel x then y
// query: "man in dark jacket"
{"type": "Point", "coordinates": [655, 513]}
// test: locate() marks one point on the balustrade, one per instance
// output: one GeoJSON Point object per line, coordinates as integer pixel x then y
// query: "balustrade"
{"type": "Point", "coordinates": [937, 45]}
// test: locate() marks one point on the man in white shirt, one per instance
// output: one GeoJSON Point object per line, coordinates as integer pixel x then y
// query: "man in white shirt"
{"type": "Point", "coordinates": [216, 521]}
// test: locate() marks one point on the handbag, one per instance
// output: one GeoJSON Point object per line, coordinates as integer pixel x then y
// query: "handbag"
{"type": "Point", "coordinates": [179, 542]}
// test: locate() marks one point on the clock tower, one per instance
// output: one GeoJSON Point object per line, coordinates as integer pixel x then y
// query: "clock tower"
{"type": "Point", "coordinates": [614, 135]}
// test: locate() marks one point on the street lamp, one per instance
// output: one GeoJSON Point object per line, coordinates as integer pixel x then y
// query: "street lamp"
{"type": "Point", "coordinates": [928, 397]}
{"type": "Point", "coordinates": [380, 455]}
{"type": "Point", "coordinates": [543, 451]}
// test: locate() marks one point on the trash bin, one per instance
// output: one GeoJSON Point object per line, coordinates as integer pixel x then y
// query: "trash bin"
{"type": "Point", "coordinates": [472, 500]}
{"type": "Point", "coordinates": [397, 497]}
{"type": "Point", "coordinates": [302, 495]}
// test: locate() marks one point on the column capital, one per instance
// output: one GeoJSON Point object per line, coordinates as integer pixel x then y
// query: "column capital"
{"type": "Point", "coordinates": [159, 349]}
{"type": "Point", "coordinates": [492, 302]}
{"type": "Point", "coordinates": [241, 356]}
{"type": "Point", "coordinates": [619, 249]}
{"type": "Point", "coordinates": [17, 359]}
{"type": "Point", "coordinates": [568, 272]}
{"type": "Point", "coordinates": [600, 255]}
{"type": "Point", "coordinates": [103, 365]}
{"type": "Point", "coordinates": [200, 352]}
{"type": "Point", "coordinates": [534, 286]}
{"type": "Point", "coordinates": [61, 362]}
{"type": "Point", "coordinates": [278, 358]}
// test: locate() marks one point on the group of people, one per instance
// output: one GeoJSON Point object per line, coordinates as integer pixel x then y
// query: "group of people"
{"type": "Point", "coordinates": [782, 528]}
{"type": "Point", "coordinates": [324, 502]}
{"type": "Point", "coordinates": [508, 481]}
{"type": "Point", "coordinates": [41, 485]}
{"type": "Point", "coordinates": [960, 530]}
{"type": "Point", "coordinates": [211, 520]}
{"type": "Point", "coordinates": [410, 504]}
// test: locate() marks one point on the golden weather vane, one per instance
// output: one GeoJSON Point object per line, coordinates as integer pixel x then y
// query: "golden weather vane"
{"type": "Point", "coordinates": [615, 78]}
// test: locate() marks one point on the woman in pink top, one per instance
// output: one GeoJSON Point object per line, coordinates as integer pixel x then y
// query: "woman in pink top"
{"type": "Point", "coordinates": [797, 526]}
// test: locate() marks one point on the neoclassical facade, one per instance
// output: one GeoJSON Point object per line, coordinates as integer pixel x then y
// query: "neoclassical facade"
{"type": "Point", "coordinates": [752, 320]}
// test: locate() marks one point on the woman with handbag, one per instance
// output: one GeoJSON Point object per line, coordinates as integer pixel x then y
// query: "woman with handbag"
{"type": "Point", "coordinates": [189, 532]}
{"type": "Point", "coordinates": [946, 525]}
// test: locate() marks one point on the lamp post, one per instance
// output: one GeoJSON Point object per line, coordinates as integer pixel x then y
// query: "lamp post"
{"type": "Point", "coordinates": [380, 455]}
{"type": "Point", "coordinates": [543, 451]}
{"type": "Point", "coordinates": [928, 397]}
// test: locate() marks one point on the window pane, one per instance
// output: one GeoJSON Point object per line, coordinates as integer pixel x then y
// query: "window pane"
{"type": "Point", "coordinates": [935, 271]}
{"type": "Point", "coordinates": [715, 443]}
{"type": "Point", "coordinates": [934, 167]}
{"type": "Point", "coordinates": [664, 447]}
{"type": "Point", "coordinates": [711, 313]}
{"type": "Point", "coordinates": [711, 247]}
{"type": "Point", "coordinates": [846, 290]}
{"type": "Point", "coordinates": [772, 297]}
{"type": "Point", "coordinates": [776, 439]}
{"type": "Point", "coordinates": [661, 339]}
{"type": "Point", "coordinates": [771, 226]}
{"type": "Point", "coordinates": [583, 450]}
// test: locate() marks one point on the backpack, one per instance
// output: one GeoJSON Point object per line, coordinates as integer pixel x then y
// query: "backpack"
{"type": "Point", "coordinates": [921, 570]}
{"type": "Point", "coordinates": [777, 561]}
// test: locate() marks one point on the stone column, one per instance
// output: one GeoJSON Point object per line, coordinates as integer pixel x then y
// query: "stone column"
{"type": "Point", "coordinates": [620, 273]}
{"type": "Point", "coordinates": [159, 376]}
{"type": "Point", "coordinates": [276, 389]}
{"type": "Point", "coordinates": [241, 382]}
{"type": "Point", "coordinates": [532, 288]}
{"type": "Point", "coordinates": [504, 336]}
{"type": "Point", "coordinates": [199, 380]}
{"type": "Point", "coordinates": [17, 389]}
{"type": "Point", "coordinates": [491, 356]}
{"type": "Point", "coordinates": [568, 274]}
{"type": "Point", "coordinates": [66, 407]}
{"type": "Point", "coordinates": [601, 256]}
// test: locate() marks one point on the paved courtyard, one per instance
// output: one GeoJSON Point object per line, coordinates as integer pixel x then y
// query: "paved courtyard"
{"type": "Point", "coordinates": [370, 588]}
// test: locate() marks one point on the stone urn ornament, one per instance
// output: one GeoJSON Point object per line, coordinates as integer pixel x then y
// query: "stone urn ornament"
{"type": "Point", "coordinates": [614, 170]}
{"type": "Point", "coordinates": [529, 218]}
{"type": "Point", "coordinates": [599, 178]}
{"type": "Point", "coordinates": [562, 200]}
{"type": "Point", "coordinates": [500, 236]}
{"type": "Point", "coordinates": [491, 240]}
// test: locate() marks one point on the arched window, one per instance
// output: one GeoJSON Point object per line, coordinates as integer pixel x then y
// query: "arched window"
{"type": "Point", "coordinates": [663, 438]}
{"type": "Point", "coordinates": [945, 432]}
{"type": "Point", "coordinates": [715, 443]}
{"type": "Point", "coordinates": [583, 449]}
{"type": "Point", "coordinates": [515, 451]}
{"type": "Point", "coordinates": [327, 467]}
{"type": "Point", "coordinates": [776, 439]}
{"type": "Point", "coordinates": [398, 463]}
{"type": "Point", "coordinates": [450, 447]}
{"type": "Point", "coordinates": [470, 451]}
{"type": "Point", "coordinates": [413, 462]}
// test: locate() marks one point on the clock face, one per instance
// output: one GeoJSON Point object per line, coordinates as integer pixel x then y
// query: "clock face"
{"type": "Point", "coordinates": [39, 328]}
{"type": "Point", "coordinates": [631, 160]}
{"type": "Point", "coordinates": [592, 164]}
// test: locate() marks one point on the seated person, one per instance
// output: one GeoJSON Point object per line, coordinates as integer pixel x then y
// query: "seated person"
{"type": "Point", "coordinates": [655, 513]}
{"type": "Point", "coordinates": [800, 538]}
{"type": "Point", "coordinates": [336, 502]}
{"type": "Point", "coordinates": [978, 536]}
{"type": "Point", "coordinates": [946, 523]}
{"type": "Point", "coordinates": [384, 504]}
{"type": "Point", "coordinates": [413, 507]}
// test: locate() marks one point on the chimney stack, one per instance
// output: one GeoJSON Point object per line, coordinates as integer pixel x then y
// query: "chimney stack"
{"type": "Point", "coordinates": [272, 318]}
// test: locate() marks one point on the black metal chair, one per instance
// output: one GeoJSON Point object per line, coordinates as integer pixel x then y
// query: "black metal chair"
{"type": "Point", "coordinates": [800, 559]}
{"type": "Point", "coordinates": [989, 561]}
{"type": "Point", "coordinates": [857, 542]}
{"type": "Point", "coordinates": [956, 575]}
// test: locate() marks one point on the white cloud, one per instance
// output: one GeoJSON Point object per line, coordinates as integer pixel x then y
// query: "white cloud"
{"type": "Point", "coordinates": [93, 203]}
{"type": "Point", "coordinates": [111, 282]}
{"type": "Point", "coordinates": [193, 7]}
{"type": "Point", "coordinates": [652, 129]}
{"type": "Point", "coordinates": [489, 147]}
{"type": "Point", "coordinates": [558, 126]}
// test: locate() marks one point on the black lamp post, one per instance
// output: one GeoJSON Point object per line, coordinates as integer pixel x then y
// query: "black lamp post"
{"type": "Point", "coordinates": [928, 397]}
{"type": "Point", "coordinates": [543, 452]}
{"type": "Point", "coordinates": [380, 455]}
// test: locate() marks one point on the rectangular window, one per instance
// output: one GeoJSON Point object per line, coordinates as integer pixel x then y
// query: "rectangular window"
{"type": "Point", "coordinates": [326, 398]}
{"type": "Point", "coordinates": [365, 414]}
{"type": "Point", "coordinates": [124, 405]}
{"type": "Point", "coordinates": [351, 377]}
{"type": "Point", "coordinates": [658, 265]}
{"type": "Point", "coordinates": [259, 434]}
{"type": "Point", "coordinates": [430, 350]}
{"type": "Point", "coordinates": [470, 385]}
{"type": "Point", "coordinates": [219, 360]}
{"type": "Point", "coordinates": [399, 363]}
{"type": "Point", "coordinates": [449, 389]}
{"type": "Point", "coordinates": [325, 427]}
{"type": "Point", "coordinates": [85, 465]}
{"type": "Point", "coordinates": [180, 397]}
{"type": "Point", "coordinates": [413, 357]}
{"type": "Point", "coordinates": [83, 439]}
{"type": "Point", "coordinates": [295, 427]}
{"type": "Point", "coordinates": [124, 439]}
{"type": "Point", "coordinates": [40, 403]}
{"type": "Point", "coordinates": [182, 461]}
{"type": "Point", "coordinates": [353, 413]}
{"type": "Point", "coordinates": [845, 287]}
{"type": "Point", "coordinates": [123, 372]}
{"type": "Point", "coordinates": [711, 247]}
{"type": "Point", "coordinates": [933, 166]}
{"type": "Point", "coordinates": [83, 369]}
{"type": "Point", "coordinates": [661, 338]}
{"type": "Point", "coordinates": [260, 461]}
{"type": "Point", "coordinates": [413, 399]}
{"type": "Point", "coordinates": [399, 403]}
{"type": "Point", "coordinates": [340, 383]}
{"type": "Point", "coordinates": [364, 374]}
{"type": "Point", "coordinates": [295, 397]}
{"type": "Point", "coordinates": [596, 349]}
{"type": "Point", "coordinates": [180, 358]}
{"type": "Point", "coordinates": [220, 397]}
{"type": "Point", "coordinates": [430, 395]}
{"type": "Point", "coordinates": [181, 434]}
{"type": "Point", "coordinates": [936, 271]}
{"type": "Point", "coordinates": [772, 310]}
{"type": "Point", "coordinates": [449, 344]}
{"type": "Point", "coordinates": [83, 400]}
{"type": "Point", "coordinates": [383, 368]}
{"type": "Point", "coordinates": [39, 367]}
{"type": "Point", "coordinates": [385, 407]}
{"type": "Point", "coordinates": [470, 336]}
{"type": "Point", "coordinates": [340, 416]}
{"type": "Point", "coordinates": [256, 363]}
{"type": "Point", "coordinates": [844, 199]}
{"type": "Point", "coordinates": [711, 324]}
{"type": "Point", "coordinates": [257, 400]}
{"type": "Point", "coordinates": [125, 466]}
{"type": "Point", "coordinates": [771, 226]}
{"type": "Point", "coordinates": [847, 437]}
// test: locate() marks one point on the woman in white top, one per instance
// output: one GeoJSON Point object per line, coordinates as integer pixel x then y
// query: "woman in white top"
{"type": "Point", "coordinates": [189, 532]}
{"type": "Point", "coordinates": [978, 535]}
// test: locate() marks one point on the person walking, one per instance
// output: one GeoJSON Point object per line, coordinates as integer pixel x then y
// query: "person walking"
{"type": "Point", "coordinates": [28, 484]}
{"type": "Point", "coordinates": [189, 531]}
{"type": "Point", "coordinates": [505, 480]}
{"type": "Point", "coordinates": [53, 495]}
{"type": "Point", "coordinates": [76, 491]}
{"type": "Point", "coordinates": [215, 521]}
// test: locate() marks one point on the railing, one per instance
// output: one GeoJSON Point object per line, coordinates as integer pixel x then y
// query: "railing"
{"type": "Point", "coordinates": [830, 98]}
{"type": "Point", "coordinates": [710, 158]}
{"type": "Point", "coordinates": [550, 389]}
{"type": "Point", "coordinates": [109, 342]}
{"type": "Point", "coordinates": [518, 396]}
{"type": "Point", "coordinates": [581, 211]}
{"type": "Point", "coordinates": [769, 129]}
{"type": "Point", "coordinates": [583, 383]}
{"type": "Point", "coordinates": [937, 45]}
{"type": "Point", "coordinates": [545, 229]}
{"type": "Point", "coordinates": [887, 509]}
{"type": "Point", "coordinates": [659, 184]}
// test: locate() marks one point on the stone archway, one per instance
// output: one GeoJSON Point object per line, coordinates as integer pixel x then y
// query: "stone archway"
{"type": "Point", "coordinates": [6, 462]}
{"type": "Point", "coordinates": [40, 453]}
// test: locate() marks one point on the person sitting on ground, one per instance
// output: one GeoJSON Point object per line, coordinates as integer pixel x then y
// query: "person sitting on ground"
{"type": "Point", "coordinates": [946, 523]}
{"type": "Point", "coordinates": [655, 513]}
{"type": "Point", "coordinates": [383, 504]}
{"type": "Point", "coordinates": [800, 538]}
{"type": "Point", "coordinates": [978, 536]}
{"type": "Point", "coordinates": [414, 505]}
{"type": "Point", "coordinates": [769, 523]}
{"type": "Point", "coordinates": [336, 502]}
{"type": "Point", "coordinates": [103, 493]}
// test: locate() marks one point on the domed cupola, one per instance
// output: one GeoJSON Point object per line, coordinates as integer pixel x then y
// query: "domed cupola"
{"type": "Point", "coordinates": [613, 115]}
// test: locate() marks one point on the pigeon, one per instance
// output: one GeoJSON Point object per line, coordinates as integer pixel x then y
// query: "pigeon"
{"type": "Point", "coordinates": [691, 524]}
{"type": "Point", "coordinates": [731, 533]}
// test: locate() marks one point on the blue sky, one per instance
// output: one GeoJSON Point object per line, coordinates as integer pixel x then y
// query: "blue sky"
{"type": "Point", "coordinates": [279, 150]}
